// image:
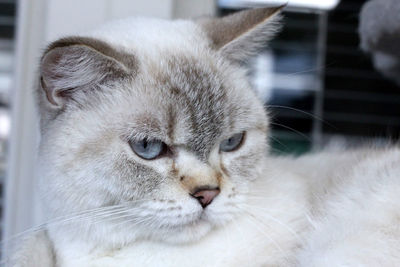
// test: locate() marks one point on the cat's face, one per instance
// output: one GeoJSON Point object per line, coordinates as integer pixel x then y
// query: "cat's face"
{"type": "Point", "coordinates": [170, 135]}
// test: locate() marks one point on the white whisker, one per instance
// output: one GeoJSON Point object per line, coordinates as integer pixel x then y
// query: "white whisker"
{"type": "Point", "coordinates": [270, 217]}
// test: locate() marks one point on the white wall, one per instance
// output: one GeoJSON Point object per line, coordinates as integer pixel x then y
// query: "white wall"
{"type": "Point", "coordinates": [39, 22]}
{"type": "Point", "coordinates": [64, 18]}
{"type": "Point", "coordinates": [19, 198]}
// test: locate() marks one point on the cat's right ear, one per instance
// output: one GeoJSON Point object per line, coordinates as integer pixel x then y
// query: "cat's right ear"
{"type": "Point", "coordinates": [72, 68]}
{"type": "Point", "coordinates": [241, 34]}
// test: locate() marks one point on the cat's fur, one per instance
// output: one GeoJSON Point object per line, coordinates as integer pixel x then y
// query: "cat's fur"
{"type": "Point", "coordinates": [181, 82]}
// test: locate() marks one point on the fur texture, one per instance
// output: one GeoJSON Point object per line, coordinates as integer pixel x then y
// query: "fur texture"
{"type": "Point", "coordinates": [181, 82]}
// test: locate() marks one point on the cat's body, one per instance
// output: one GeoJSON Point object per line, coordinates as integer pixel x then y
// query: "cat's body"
{"type": "Point", "coordinates": [357, 212]}
{"type": "Point", "coordinates": [154, 153]}
{"type": "Point", "coordinates": [314, 216]}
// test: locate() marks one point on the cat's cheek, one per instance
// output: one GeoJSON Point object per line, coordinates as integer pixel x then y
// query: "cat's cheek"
{"type": "Point", "coordinates": [242, 164]}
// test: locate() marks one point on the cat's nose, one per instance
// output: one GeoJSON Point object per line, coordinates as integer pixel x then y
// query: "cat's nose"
{"type": "Point", "coordinates": [205, 195]}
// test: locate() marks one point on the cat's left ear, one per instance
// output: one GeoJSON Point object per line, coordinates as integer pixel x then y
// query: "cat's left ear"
{"type": "Point", "coordinates": [73, 68]}
{"type": "Point", "coordinates": [240, 35]}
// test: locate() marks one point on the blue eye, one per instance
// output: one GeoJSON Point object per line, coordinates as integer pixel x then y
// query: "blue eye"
{"type": "Point", "coordinates": [148, 149]}
{"type": "Point", "coordinates": [232, 143]}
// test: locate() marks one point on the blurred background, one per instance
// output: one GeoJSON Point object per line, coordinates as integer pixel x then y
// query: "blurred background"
{"type": "Point", "coordinates": [320, 87]}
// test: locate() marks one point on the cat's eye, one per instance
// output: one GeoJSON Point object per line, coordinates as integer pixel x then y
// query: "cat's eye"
{"type": "Point", "coordinates": [148, 149]}
{"type": "Point", "coordinates": [232, 143]}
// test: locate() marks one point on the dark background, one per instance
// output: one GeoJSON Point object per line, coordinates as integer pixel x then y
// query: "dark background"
{"type": "Point", "coordinates": [357, 103]}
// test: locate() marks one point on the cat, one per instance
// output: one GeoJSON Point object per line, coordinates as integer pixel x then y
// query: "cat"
{"type": "Point", "coordinates": [154, 152]}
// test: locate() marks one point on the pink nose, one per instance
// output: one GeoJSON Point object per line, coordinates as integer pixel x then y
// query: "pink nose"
{"type": "Point", "coordinates": [205, 196]}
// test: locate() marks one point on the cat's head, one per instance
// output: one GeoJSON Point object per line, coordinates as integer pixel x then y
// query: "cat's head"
{"type": "Point", "coordinates": [156, 120]}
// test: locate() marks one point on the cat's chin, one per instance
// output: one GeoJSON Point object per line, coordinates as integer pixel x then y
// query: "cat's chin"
{"type": "Point", "coordinates": [193, 231]}
{"type": "Point", "coordinates": [186, 233]}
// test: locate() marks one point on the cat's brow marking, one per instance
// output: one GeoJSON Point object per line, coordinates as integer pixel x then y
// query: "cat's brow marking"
{"type": "Point", "coordinates": [171, 123]}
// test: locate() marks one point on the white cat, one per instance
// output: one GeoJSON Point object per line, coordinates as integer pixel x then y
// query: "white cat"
{"type": "Point", "coordinates": [154, 153]}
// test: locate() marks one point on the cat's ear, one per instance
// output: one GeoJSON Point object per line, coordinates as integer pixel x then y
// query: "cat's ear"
{"type": "Point", "coordinates": [240, 35]}
{"type": "Point", "coordinates": [73, 67]}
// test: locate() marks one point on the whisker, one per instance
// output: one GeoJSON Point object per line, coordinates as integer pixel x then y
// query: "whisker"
{"type": "Point", "coordinates": [294, 130]}
{"type": "Point", "coordinates": [308, 70]}
{"type": "Point", "coordinates": [279, 142]}
{"type": "Point", "coordinates": [270, 217]}
{"type": "Point", "coordinates": [135, 220]}
{"type": "Point", "coordinates": [81, 215]}
{"type": "Point", "coordinates": [109, 216]}
{"type": "Point", "coordinates": [304, 112]}
{"type": "Point", "coordinates": [269, 210]}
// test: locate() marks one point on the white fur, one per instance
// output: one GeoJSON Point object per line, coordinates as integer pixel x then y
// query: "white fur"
{"type": "Point", "coordinates": [359, 225]}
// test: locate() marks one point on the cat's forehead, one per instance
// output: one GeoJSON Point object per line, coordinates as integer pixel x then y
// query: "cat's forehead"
{"type": "Point", "coordinates": [182, 98]}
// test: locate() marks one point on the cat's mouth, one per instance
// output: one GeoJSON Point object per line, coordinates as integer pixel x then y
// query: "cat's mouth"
{"type": "Point", "coordinates": [162, 218]}
{"type": "Point", "coordinates": [203, 217]}
{"type": "Point", "coordinates": [188, 221]}
{"type": "Point", "coordinates": [185, 232]}
{"type": "Point", "coordinates": [185, 221]}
